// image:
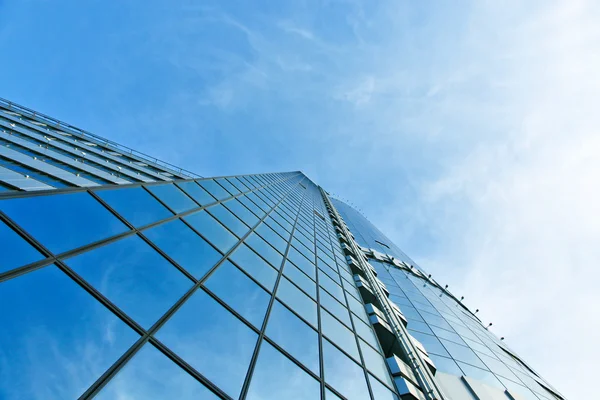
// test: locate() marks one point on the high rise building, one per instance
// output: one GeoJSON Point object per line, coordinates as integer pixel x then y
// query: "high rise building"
{"type": "Point", "coordinates": [124, 277]}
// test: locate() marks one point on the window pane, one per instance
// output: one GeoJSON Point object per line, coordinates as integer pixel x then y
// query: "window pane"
{"type": "Point", "coordinates": [212, 230]}
{"type": "Point", "coordinates": [430, 342]}
{"type": "Point", "coordinates": [197, 192]}
{"type": "Point", "coordinates": [333, 288]}
{"type": "Point", "coordinates": [375, 363]}
{"type": "Point", "coordinates": [229, 220]}
{"type": "Point", "coordinates": [334, 307]}
{"type": "Point", "coordinates": [215, 189]}
{"type": "Point", "coordinates": [380, 392]}
{"type": "Point", "coordinates": [446, 365]}
{"type": "Point", "coordinates": [276, 377]}
{"type": "Point", "coordinates": [212, 340]}
{"type": "Point", "coordinates": [250, 262]}
{"type": "Point", "coordinates": [184, 246]}
{"type": "Point", "coordinates": [58, 328]}
{"type": "Point", "coordinates": [340, 335]}
{"type": "Point", "coordinates": [134, 276]}
{"type": "Point", "coordinates": [240, 292]}
{"type": "Point", "coordinates": [300, 279]}
{"type": "Point", "coordinates": [173, 197]}
{"type": "Point", "coordinates": [462, 353]}
{"type": "Point", "coordinates": [15, 250]}
{"type": "Point", "coordinates": [236, 207]}
{"type": "Point", "coordinates": [136, 205]}
{"type": "Point", "coordinates": [65, 221]}
{"type": "Point", "coordinates": [265, 250]}
{"type": "Point", "coordinates": [365, 331]}
{"type": "Point", "coordinates": [302, 262]}
{"type": "Point", "coordinates": [228, 186]}
{"type": "Point", "coordinates": [297, 301]}
{"type": "Point", "coordinates": [151, 375]}
{"type": "Point", "coordinates": [343, 374]}
{"type": "Point", "coordinates": [294, 336]}
{"type": "Point", "coordinates": [273, 238]}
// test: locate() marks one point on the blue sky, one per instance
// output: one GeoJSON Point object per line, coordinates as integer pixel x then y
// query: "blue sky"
{"type": "Point", "coordinates": [465, 130]}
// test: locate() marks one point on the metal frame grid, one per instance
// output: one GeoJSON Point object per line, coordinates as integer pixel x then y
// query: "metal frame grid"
{"type": "Point", "coordinates": [294, 182]}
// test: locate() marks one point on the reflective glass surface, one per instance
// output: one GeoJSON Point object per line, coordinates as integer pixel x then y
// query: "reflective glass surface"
{"type": "Point", "coordinates": [64, 331]}
{"type": "Point", "coordinates": [344, 374]}
{"type": "Point", "coordinates": [229, 220]}
{"type": "Point", "coordinates": [217, 344]}
{"type": "Point", "coordinates": [151, 375]}
{"type": "Point", "coordinates": [294, 336]}
{"type": "Point", "coordinates": [239, 292]}
{"type": "Point", "coordinates": [265, 250]}
{"type": "Point", "coordinates": [380, 392]}
{"type": "Point", "coordinates": [212, 230]}
{"type": "Point", "coordinates": [300, 279]}
{"type": "Point", "coordinates": [184, 246]}
{"type": "Point", "coordinates": [276, 377]}
{"type": "Point", "coordinates": [173, 197]}
{"type": "Point", "coordinates": [297, 301]}
{"type": "Point", "coordinates": [197, 193]}
{"type": "Point", "coordinates": [134, 276]}
{"type": "Point", "coordinates": [250, 262]}
{"type": "Point", "coordinates": [74, 219]}
{"type": "Point", "coordinates": [215, 189]}
{"type": "Point", "coordinates": [15, 250]}
{"type": "Point", "coordinates": [337, 333]}
{"type": "Point", "coordinates": [136, 205]}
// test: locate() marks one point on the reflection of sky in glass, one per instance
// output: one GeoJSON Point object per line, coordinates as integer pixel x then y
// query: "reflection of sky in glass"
{"type": "Point", "coordinates": [276, 377]}
{"type": "Point", "coordinates": [344, 374]}
{"type": "Point", "coordinates": [184, 246]}
{"type": "Point", "coordinates": [196, 192]}
{"type": "Point", "coordinates": [239, 292]}
{"type": "Point", "coordinates": [173, 197]}
{"type": "Point", "coordinates": [294, 336]}
{"type": "Point", "coordinates": [55, 343]}
{"type": "Point", "coordinates": [380, 392]}
{"type": "Point", "coordinates": [212, 230]}
{"type": "Point", "coordinates": [212, 340]}
{"type": "Point", "coordinates": [15, 250]}
{"type": "Point", "coordinates": [134, 276]}
{"type": "Point", "coordinates": [76, 219]}
{"type": "Point", "coordinates": [136, 205]}
{"type": "Point", "coordinates": [151, 375]}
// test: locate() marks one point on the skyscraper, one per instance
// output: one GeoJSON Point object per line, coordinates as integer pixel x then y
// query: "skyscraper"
{"type": "Point", "coordinates": [124, 277]}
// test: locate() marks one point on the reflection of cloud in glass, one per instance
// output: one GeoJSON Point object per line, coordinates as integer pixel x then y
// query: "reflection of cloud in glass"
{"type": "Point", "coordinates": [55, 343]}
{"type": "Point", "coordinates": [151, 375]}
{"type": "Point", "coordinates": [134, 276]}
{"type": "Point", "coordinates": [344, 374]}
{"type": "Point", "coordinates": [275, 377]}
{"type": "Point", "coordinates": [212, 340]}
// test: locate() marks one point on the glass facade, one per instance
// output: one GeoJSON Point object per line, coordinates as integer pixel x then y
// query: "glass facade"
{"type": "Point", "coordinates": [154, 283]}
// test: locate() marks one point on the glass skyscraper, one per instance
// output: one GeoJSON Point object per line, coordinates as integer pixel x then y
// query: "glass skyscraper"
{"type": "Point", "coordinates": [124, 277]}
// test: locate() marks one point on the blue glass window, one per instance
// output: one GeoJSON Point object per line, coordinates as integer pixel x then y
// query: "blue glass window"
{"type": "Point", "coordinates": [196, 192]}
{"type": "Point", "coordinates": [446, 365]}
{"type": "Point", "coordinates": [480, 374]}
{"type": "Point", "coordinates": [238, 184]}
{"type": "Point", "coordinates": [297, 301]}
{"type": "Point", "coordinates": [136, 205]}
{"type": "Point", "coordinates": [264, 249]}
{"type": "Point", "coordinates": [343, 374]}
{"type": "Point", "coordinates": [240, 210]}
{"type": "Point", "coordinates": [334, 307]}
{"type": "Point", "coordinates": [365, 331]}
{"type": "Point", "coordinates": [462, 353]}
{"type": "Point", "coordinates": [431, 343]}
{"type": "Point", "coordinates": [184, 246]}
{"type": "Point", "coordinates": [380, 392]}
{"type": "Point", "coordinates": [151, 375]}
{"type": "Point", "coordinates": [59, 327]}
{"type": "Point", "coordinates": [228, 186]}
{"type": "Point", "coordinates": [251, 206]}
{"type": "Point", "coordinates": [212, 340]}
{"type": "Point", "coordinates": [173, 197]}
{"type": "Point", "coordinates": [337, 333]}
{"type": "Point", "coordinates": [273, 238]}
{"type": "Point", "coordinates": [214, 188]}
{"type": "Point", "coordinates": [444, 334]}
{"type": "Point", "coordinates": [250, 262]}
{"type": "Point", "coordinates": [15, 250]}
{"type": "Point", "coordinates": [302, 262]}
{"type": "Point", "coordinates": [134, 276]}
{"type": "Point", "coordinates": [333, 288]}
{"type": "Point", "coordinates": [212, 230]}
{"type": "Point", "coordinates": [276, 377]}
{"type": "Point", "coordinates": [294, 336]}
{"type": "Point", "coordinates": [239, 292]}
{"type": "Point", "coordinates": [75, 219]}
{"type": "Point", "coordinates": [229, 220]}
{"type": "Point", "coordinates": [300, 279]}
{"type": "Point", "coordinates": [375, 363]}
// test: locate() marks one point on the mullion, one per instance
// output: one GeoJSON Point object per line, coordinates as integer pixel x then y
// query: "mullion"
{"type": "Point", "coordinates": [13, 273]}
{"type": "Point", "coordinates": [112, 370]}
{"type": "Point", "coordinates": [254, 358]}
